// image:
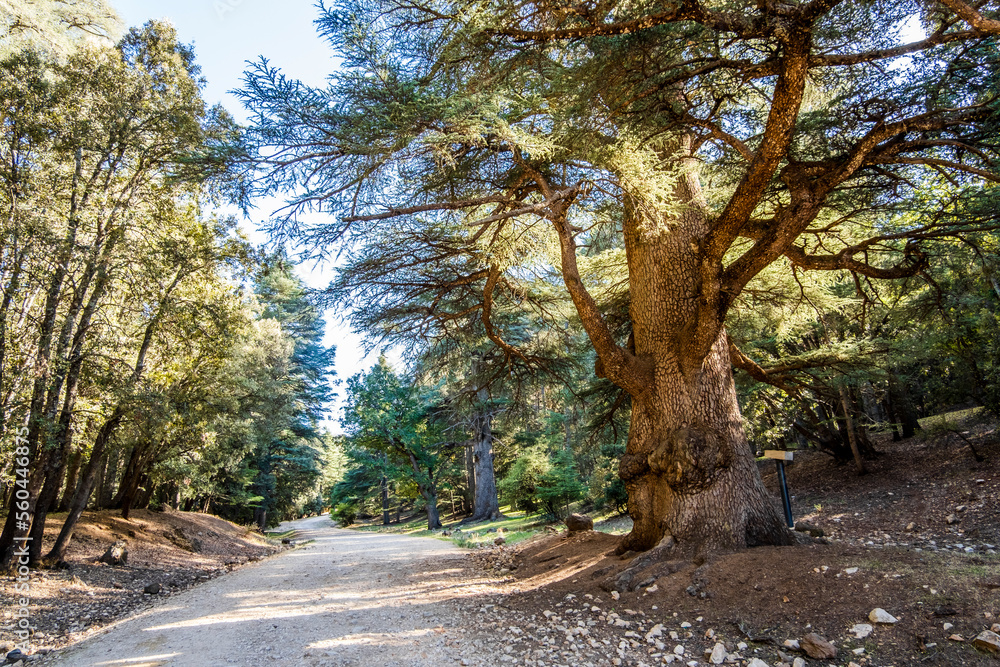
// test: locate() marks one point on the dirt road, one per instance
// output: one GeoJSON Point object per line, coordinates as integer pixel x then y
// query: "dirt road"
{"type": "Point", "coordinates": [348, 598]}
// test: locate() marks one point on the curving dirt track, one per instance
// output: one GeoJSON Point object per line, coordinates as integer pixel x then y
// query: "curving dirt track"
{"type": "Point", "coordinates": [348, 598]}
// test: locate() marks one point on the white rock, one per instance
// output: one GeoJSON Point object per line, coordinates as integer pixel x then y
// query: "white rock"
{"type": "Point", "coordinates": [799, 662]}
{"type": "Point", "coordinates": [850, 570]}
{"type": "Point", "coordinates": [742, 646]}
{"type": "Point", "coordinates": [685, 625]}
{"type": "Point", "coordinates": [862, 630]}
{"type": "Point", "coordinates": [948, 626]}
{"type": "Point", "coordinates": [879, 615]}
{"type": "Point", "coordinates": [679, 650]}
{"type": "Point", "coordinates": [858, 651]}
{"type": "Point", "coordinates": [792, 644]}
{"type": "Point", "coordinates": [757, 662]}
{"type": "Point", "coordinates": [653, 589]}
{"type": "Point", "coordinates": [615, 595]}
{"type": "Point", "coordinates": [718, 654]}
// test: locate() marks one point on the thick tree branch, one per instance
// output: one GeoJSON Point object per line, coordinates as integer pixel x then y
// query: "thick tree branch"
{"type": "Point", "coordinates": [773, 148]}
{"type": "Point", "coordinates": [972, 16]}
{"type": "Point", "coordinates": [743, 362]}
{"type": "Point", "coordinates": [936, 39]}
{"type": "Point", "coordinates": [619, 365]}
{"type": "Point", "coordinates": [914, 262]}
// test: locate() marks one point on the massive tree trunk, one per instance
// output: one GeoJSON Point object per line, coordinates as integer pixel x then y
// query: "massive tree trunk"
{"type": "Point", "coordinates": [688, 468]}
{"type": "Point", "coordinates": [433, 518]}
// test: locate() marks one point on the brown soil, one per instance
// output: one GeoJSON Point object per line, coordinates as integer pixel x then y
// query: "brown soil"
{"type": "Point", "coordinates": [922, 530]}
{"type": "Point", "coordinates": [174, 549]}
{"type": "Point", "coordinates": [892, 525]}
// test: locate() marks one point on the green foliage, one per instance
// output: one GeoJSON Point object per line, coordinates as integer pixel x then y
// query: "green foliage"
{"type": "Point", "coordinates": [345, 514]}
{"type": "Point", "coordinates": [459, 153]}
{"type": "Point", "coordinates": [539, 480]}
{"type": "Point", "coordinates": [127, 296]}
{"type": "Point", "coordinates": [560, 485]}
{"type": "Point", "coordinates": [519, 488]}
{"type": "Point", "coordinates": [397, 429]}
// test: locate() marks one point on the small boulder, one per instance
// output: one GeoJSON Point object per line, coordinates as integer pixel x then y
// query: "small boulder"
{"type": "Point", "coordinates": [951, 519]}
{"type": "Point", "coordinates": [862, 630]}
{"type": "Point", "coordinates": [14, 656]}
{"type": "Point", "coordinates": [879, 615]}
{"type": "Point", "coordinates": [718, 655]}
{"type": "Point", "coordinates": [152, 589]}
{"type": "Point", "coordinates": [500, 540]}
{"type": "Point", "coordinates": [576, 523]}
{"type": "Point", "coordinates": [757, 662]}
{"type": "Point", "coordinates": [987, 641]}
{"type": "Point", "coordinates": [817, 647]}
{"type": "Point", "coordinates": [117, 554]}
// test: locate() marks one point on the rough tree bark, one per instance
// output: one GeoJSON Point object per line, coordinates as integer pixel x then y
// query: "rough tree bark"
{"type": "Point", "coordinates": [486, 504]}
{"type": "Point", "coordinates": [688, 467]}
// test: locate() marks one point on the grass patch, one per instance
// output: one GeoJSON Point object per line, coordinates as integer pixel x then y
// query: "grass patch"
{"type": "Point", "coordinates": [956, 419]}
{"type": "Point", "coordinates": [515, 526]}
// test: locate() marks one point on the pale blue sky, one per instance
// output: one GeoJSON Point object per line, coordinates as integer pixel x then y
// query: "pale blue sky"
{"type": "Point", "coordinates": [228, 33]}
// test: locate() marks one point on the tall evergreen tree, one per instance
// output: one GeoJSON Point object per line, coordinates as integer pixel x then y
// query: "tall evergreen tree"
{"type": "Point", "coordinates": [483, 143]}
{"type": "Point", "coordinates": [289, 443]}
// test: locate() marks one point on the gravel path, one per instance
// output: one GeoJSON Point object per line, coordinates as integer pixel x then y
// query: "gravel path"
{"type": "Point", "coordinates": [348, 598]}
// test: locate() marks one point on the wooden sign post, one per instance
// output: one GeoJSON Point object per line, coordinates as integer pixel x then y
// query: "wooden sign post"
{"type": "Point", "coordinates": [780, 456]}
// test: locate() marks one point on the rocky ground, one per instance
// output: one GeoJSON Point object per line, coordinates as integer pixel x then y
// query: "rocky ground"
{"type": "Point", "coordinates": [916, 537]}
{"type": "Point", "coordinates": [915, 541]}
